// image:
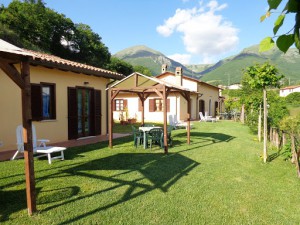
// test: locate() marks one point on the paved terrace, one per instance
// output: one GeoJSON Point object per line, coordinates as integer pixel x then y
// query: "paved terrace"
{"type": "Point", "coordinates": [6, 155]}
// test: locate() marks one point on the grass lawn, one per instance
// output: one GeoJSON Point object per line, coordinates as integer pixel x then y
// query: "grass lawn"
{"type": "Point", "coordinates": [218, 179]}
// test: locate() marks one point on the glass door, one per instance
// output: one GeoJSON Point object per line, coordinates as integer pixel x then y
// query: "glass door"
{"type": "Point", "coordinates": [84, 112]}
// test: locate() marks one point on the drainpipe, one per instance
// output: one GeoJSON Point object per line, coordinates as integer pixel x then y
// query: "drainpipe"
{"type": "Point", "coordinates": [106, 90]}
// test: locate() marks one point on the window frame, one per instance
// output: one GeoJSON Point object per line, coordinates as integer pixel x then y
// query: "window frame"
{"type": "Point", "coordinates": [37, 105]}
{"type": "Point", "coordinates": [117, 105]}
{"type": "Point", "coordinates": [153, 105]}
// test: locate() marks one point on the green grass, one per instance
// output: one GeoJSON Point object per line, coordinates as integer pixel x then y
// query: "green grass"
{"type": "Point", "coordinates": [218, 179]}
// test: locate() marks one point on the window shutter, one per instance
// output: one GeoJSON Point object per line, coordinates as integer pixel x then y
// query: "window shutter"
{"type": "Point", "coordinates": [114, 105]}
{"type": "Point", "coordinates": [151, 105]}
{"type": "Point", "coordinates": [72, 114]}
{"type": "Point", "coordinates": [125, 103]}
{"type": "Point", "coordinates": [168, 105]}
{"type": "Point", "coordinates": [97, 112]}
{"type": "Point", "coordinates": [53, 101]}
{"type": "Point", "coordinates": [36, 102]}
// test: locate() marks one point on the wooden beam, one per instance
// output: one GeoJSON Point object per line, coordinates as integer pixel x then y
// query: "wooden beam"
{"type": "Point", "coordinates": [159, 93]}
{"type": "Point", "coordinates": [114, 94]}
{"type": "Point", "coordinates": [13, 73]}
{"type": "Point", "coordinates": [189, 118]}
{"type": "Point", "coordinates": [185, 94]}
{"type": "Point", "coordinates": [165, 121]}
{"type": "Point", "coordinates": [111, 119]}
{"type": "Point", "coordinates": [28, 146]}
{"type": "Point", "coordinates": [142, 98]}
{"type": "Point", "coordinates": [136, 80]}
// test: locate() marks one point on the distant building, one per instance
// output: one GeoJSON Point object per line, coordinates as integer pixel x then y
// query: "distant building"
{"type": "Point", "coordinates": [234, 86]}
{"type": "Point", "coordinates": [288, 90]}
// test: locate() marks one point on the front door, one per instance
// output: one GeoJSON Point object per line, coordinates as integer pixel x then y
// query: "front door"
{"type": "Point", "coordinates": [84, 115]}
{"type": "Point", "coordinates": [84, 112]}
{"type": "Point", "coordinates": [202, 106]}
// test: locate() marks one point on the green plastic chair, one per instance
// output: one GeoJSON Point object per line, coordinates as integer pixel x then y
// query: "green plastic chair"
{"type": "Point", "coordinates": [137, 136]}
{"type": "Point", "coordinates": [155, 137]}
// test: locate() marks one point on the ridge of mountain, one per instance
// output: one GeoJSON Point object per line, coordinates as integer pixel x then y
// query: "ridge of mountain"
{"type": "Point", "coordinates": [152, 59]}
{"type": "Point", "coordinates": [226, 71]}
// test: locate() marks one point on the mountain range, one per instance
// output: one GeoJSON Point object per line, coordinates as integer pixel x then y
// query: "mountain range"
{"type": "Point", "coordinates": [226, 71]}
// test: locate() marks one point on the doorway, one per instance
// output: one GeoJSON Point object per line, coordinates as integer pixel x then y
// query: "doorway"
{"type": "Point", "coordinates": [202, 106]}
{"type": "Point", "coordinates": [84, 112]}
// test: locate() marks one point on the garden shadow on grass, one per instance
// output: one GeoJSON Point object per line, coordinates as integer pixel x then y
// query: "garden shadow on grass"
{"type": "Point", "coordinates": [12, 201]}
{"type": "Point", "coordinates": [203, 138]}
{"type": "Point", "coordinates": [79, 151]}
{"type": "Point", "coordinates": [158, 171]}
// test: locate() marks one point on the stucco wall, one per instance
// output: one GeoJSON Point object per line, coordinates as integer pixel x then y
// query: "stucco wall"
{"type": "Point", "coordinates": [55, 130]}
{"type": "Point", "coordinates": [209, 93]}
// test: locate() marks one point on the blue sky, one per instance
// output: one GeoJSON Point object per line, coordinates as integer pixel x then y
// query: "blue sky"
{"type": "Point", "coordinates": [189, 31]}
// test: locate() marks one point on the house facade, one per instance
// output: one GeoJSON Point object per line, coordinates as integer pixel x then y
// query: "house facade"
{"type": "Point", "coordinates": [204, 98]}
{"type": "Point", "coordinates": [288, 90]}
{"type": "Point", "coordinates": [68, 99]}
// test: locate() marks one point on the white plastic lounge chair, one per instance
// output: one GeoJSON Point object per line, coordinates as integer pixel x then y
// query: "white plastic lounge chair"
{"type": "Point", "coordinates": [40, 148]}
{"type": "Point", "coordinates": [176, 124]}
{"type": "Point", "coordinates": [206, 118]}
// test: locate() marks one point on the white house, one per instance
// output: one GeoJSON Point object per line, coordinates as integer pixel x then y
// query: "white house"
{"type": "Point", "coordinates": [204, 98]}
{"type": "Point", "coordinates": [288, 90]}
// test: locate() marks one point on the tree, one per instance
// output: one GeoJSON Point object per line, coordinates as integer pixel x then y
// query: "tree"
{"type": "Point", "coordinates": [261, 77]}
{"type": "Point", "coordinates": [252, 100]}
{"type": "Point", "coordinates": [88, 48]}
{"type": "Point", "coordinates": [285, 40]}
{"type": "Point", "coordinates": [120, 66]}
{"type": "Point", "coordinates": [143, 70]}
{"type": "Point", "coordinates": [37, 27]}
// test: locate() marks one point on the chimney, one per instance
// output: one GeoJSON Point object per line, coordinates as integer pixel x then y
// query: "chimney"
{"type": "Point", "coordinates": [164, 68]}
{"type": "Point", "coordinates": [178, 76]}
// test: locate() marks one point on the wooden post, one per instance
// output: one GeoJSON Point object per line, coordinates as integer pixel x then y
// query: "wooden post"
{"type": "Point", "coordinates": [143, 111]}
{"type": "Point", "coordinates": [283, 138]}
{"type": "Point", "coordinates": [259, 124]}
{"type": "Point", "coordinates": [265, 126]}
{"type": "Point", "coordinates": [189, 118]}
{"type": "Point", "coordinates": [27, 134]}
{"type": "Point", "coordinates": [165, 120]}
{"type": "Point", "coordinates": [111, 119]}
{"type": "Point", "coordinates": [243, 114]}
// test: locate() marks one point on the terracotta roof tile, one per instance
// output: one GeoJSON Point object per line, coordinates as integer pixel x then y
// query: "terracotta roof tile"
{"type": "Point", "coordinates": [60, 63]}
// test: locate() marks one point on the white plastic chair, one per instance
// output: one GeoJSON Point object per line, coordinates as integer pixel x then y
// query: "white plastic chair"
{"type": "Point", "coordinates": [206, 118]}
{"type": "Point", "coordinates": [40, 148]}
{"type": "Point", "coordinates": [179, 124]}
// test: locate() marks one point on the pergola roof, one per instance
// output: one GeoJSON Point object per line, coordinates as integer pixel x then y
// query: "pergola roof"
{"type": "Point", "coordinates": [138, 83]}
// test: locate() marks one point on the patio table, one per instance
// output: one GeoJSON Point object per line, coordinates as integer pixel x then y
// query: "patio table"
{"type": "Point", "coordinates": [145, 130]}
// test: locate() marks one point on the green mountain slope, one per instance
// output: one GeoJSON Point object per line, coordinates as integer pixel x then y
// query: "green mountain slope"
{"type": "Point", "coordinates": [230, 70]}
{"type": "Point", "coordinates": [226, 71]}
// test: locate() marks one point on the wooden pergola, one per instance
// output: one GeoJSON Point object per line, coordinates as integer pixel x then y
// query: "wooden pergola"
{"type": "Point", "coordinates": [143, 86]}
{"type": "Point", "coordinates": [8, 58]}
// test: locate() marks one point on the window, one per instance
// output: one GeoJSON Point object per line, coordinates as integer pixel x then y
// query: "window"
{"type": "Point", "coordinates": [43, 101]}
{"type": "Point", "coordinates": [120, 104]}
{"type": "Point", "coordinates": [156, 105]}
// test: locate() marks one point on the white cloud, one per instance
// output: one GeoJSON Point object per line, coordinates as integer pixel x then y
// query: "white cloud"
{"type": "Point", "coordinates": [204, 32]}
{"type": "Point", "coordinates": [181, 58]}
